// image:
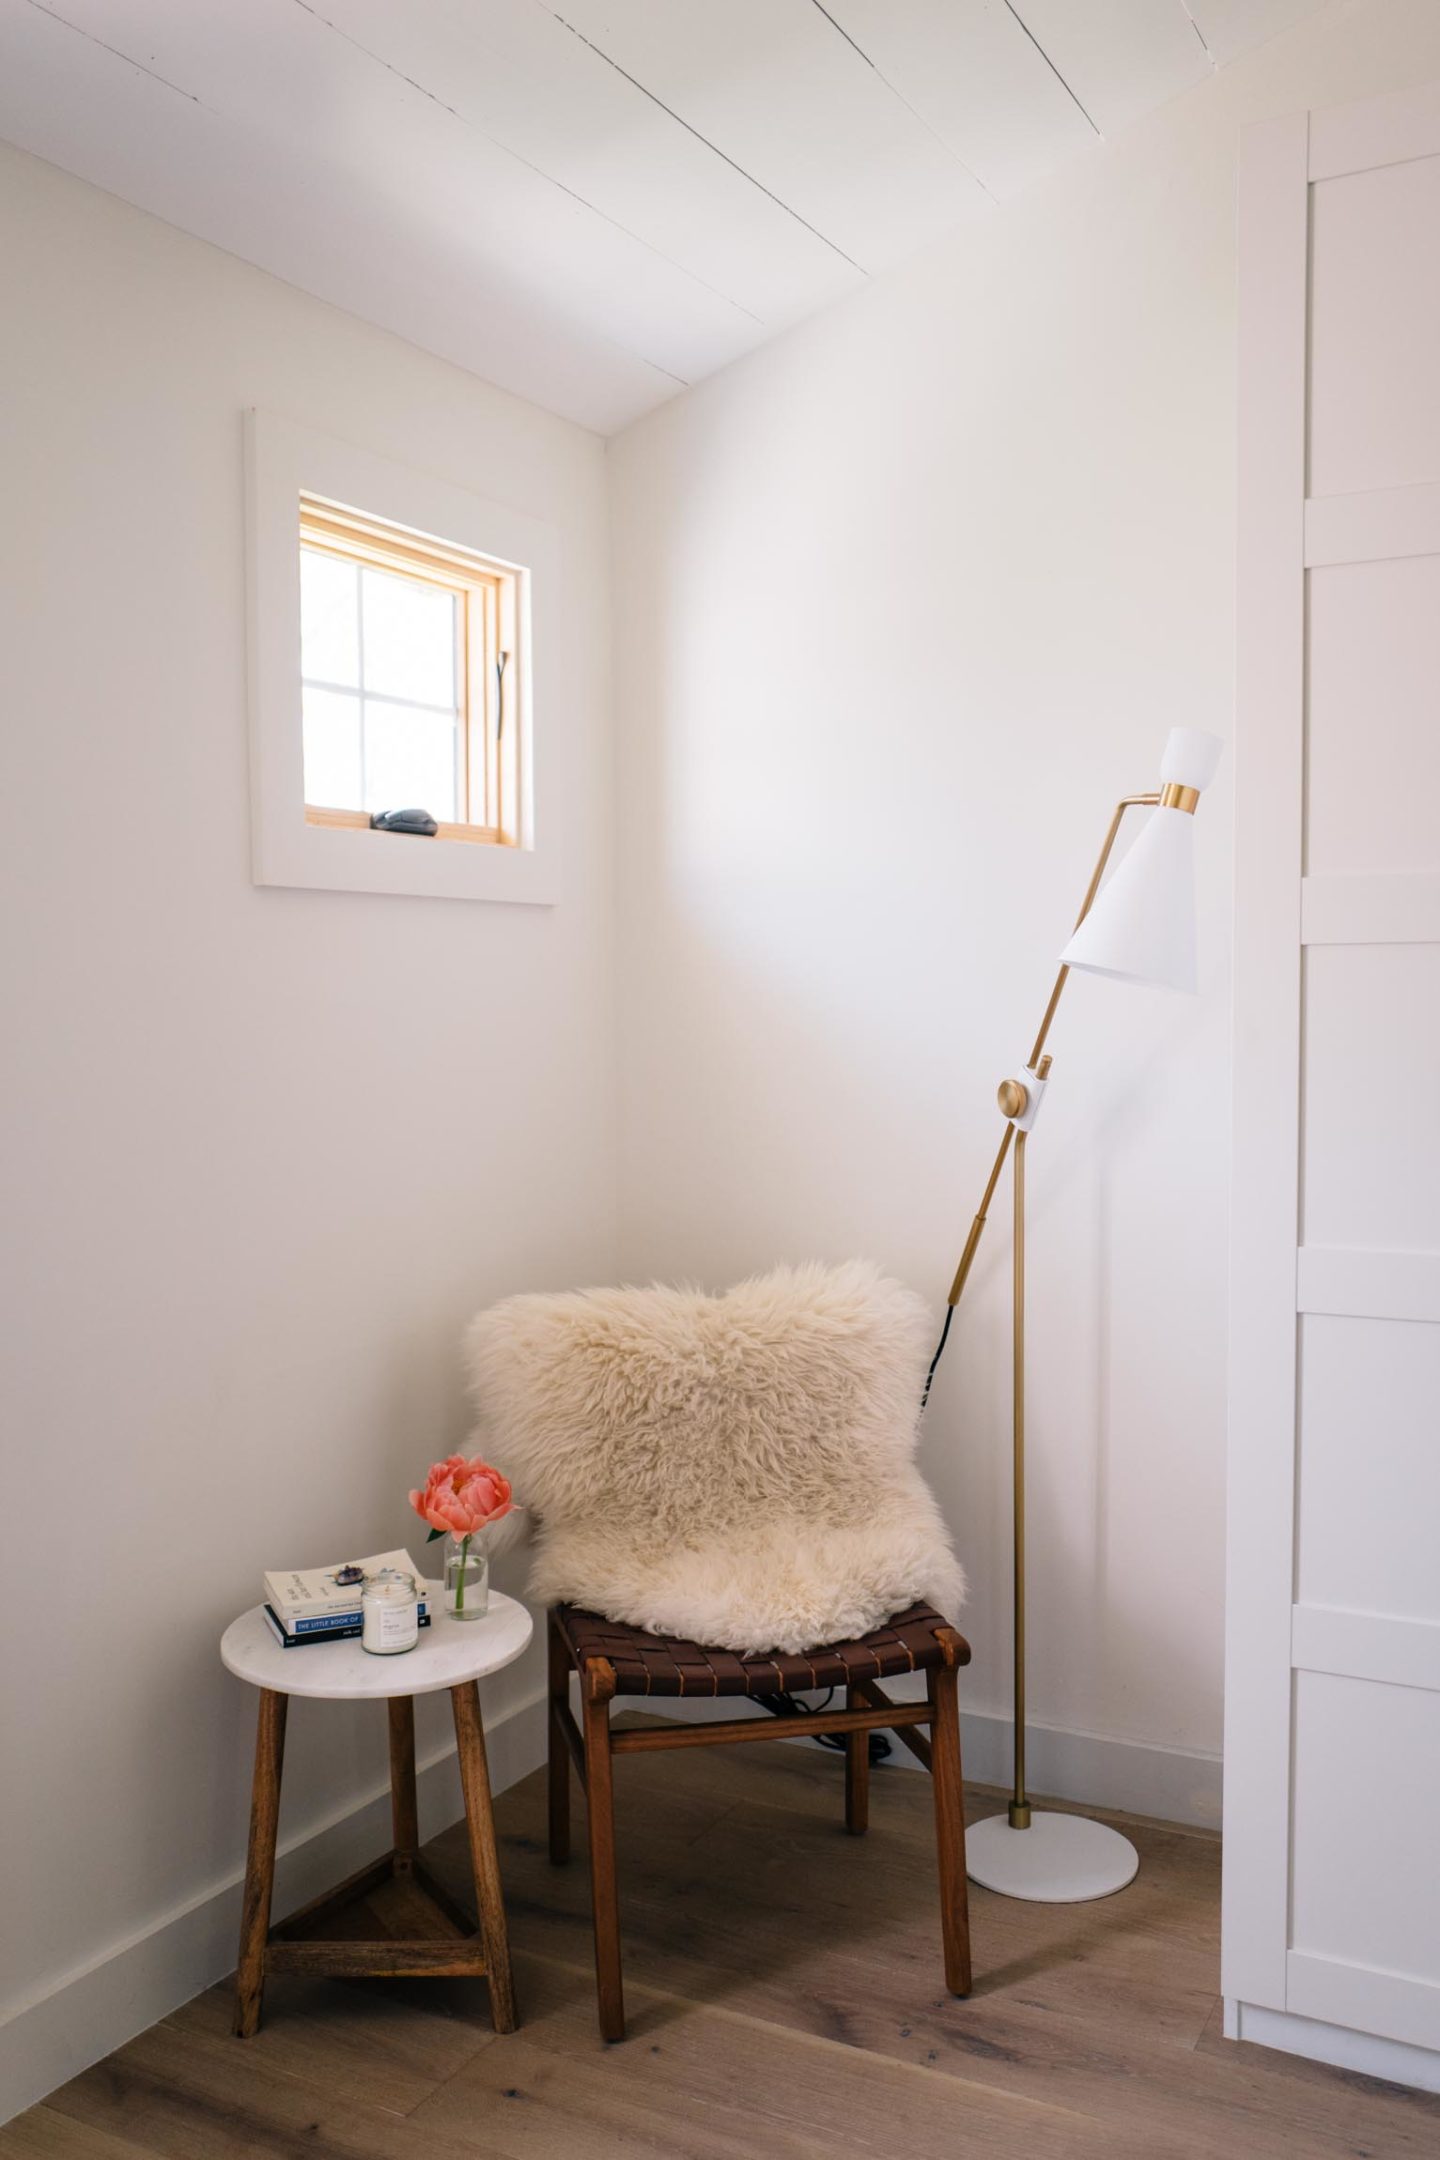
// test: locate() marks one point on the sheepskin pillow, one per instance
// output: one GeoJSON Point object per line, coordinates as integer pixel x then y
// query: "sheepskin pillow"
{"type": "Point", "coordinates": [736, 1470]}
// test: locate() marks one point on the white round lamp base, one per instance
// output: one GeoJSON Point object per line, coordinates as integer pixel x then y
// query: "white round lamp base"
{"type": "Point", "coordinates": [1059, 1860]}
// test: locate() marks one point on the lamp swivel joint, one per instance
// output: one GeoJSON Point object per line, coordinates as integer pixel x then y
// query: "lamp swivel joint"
{"type": "Point", "coordinates": [1019, 1098]}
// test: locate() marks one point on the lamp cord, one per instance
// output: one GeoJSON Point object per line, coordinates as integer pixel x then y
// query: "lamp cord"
{"type": "Point", "coordinates": [939, 1349]}
{"type": "Point", "coordinates": [790, 1706]}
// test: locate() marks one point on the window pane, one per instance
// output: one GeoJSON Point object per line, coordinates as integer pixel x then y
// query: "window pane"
{"type": "Point", "coordinates": [329, 619]}
{"type": "Point", "coordinates": [409, 639]}
{"type": "Point", "coordinates": [332, 749]}
{"type": "Point", "coordinates": [410, 760]}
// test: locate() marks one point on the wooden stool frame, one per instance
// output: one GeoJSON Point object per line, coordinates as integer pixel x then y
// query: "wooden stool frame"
{"type": "Point", "coordinates": [593, 1750]}
{"type": "Point", "coordinates": [454, 1945]}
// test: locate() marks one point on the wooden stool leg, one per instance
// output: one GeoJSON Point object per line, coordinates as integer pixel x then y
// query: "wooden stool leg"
{"type": "Point", "coordinates": [484, 1861]}
{"type": "Point", "coordinates": [857, 1773]}
{"type": "Point", "coordinates": [559, 1749]}
{"type": "Point", "coordinates": [260, 1861]}
{"type": "Point", "coordinates": [597, 1688]}
{"type": "Point", "coordinates": [404, 1806]}
{"type": "Point", "coordinates": [949, 1787]}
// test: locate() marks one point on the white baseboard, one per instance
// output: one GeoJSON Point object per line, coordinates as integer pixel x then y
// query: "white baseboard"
{"type": "Point", "coordinates": [105, 2002]}
{"type": "Point", "coordinates": [1172, 1783]}
{"type": "Point", "coordinates": [1395, 2060]}
{"type": "Point", "coordinates": [1177, 1785]}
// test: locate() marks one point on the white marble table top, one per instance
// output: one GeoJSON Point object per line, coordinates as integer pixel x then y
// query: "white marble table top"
{"type": "Point", "coordinates": [448, 1652]}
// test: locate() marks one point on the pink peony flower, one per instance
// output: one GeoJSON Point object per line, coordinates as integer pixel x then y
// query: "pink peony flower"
{"type": "Point", "coordinates": [462, 1496]}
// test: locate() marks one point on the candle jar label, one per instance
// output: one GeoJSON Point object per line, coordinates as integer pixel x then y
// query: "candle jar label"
{"type": "Point", "coordinates": [390, 1614]}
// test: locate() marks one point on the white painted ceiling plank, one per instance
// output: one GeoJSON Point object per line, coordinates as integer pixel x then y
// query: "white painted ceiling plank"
{"type": "Point", "coordinates": [774, 86]}
{"type": "Point", "coordinates": [971, 70]}
{"type": "Point", "coordinates": [66, 99]}
{"type": "Point", "coordinates": [379, 149]}
{"type": "Point", "coordinates": [1231, 27]}
{"type": "Point", "coordinates": [522, 77]}
{"type": "Point", "coordinates": [1121, 58]}
{"type": "Point", "coordinates": [586, 201]}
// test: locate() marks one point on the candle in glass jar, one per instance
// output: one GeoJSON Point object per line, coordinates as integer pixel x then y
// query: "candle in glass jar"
{"type": "Point", "coordinates": [389, 1613]}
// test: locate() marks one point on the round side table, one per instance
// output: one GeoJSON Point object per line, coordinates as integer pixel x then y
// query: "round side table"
{"type": "Point", "coordinates": [451, 1654]}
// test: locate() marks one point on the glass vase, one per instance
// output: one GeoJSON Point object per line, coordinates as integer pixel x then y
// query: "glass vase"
{"type": "Point", "coordinates": [467, 1576]}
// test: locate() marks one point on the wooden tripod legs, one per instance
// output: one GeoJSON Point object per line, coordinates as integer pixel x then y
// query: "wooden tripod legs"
{"type": "Point", "coordinates": [260, 1861]}
{"type": "Point", "coordinates": [404, 1805]}
{"type": "Point", "coordinates": [450, 1948]}
{"type": "Point", "coordinates": [484, 1861]}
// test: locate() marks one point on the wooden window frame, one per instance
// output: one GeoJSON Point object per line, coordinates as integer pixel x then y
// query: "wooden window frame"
{"type": "Point", "coordinates": [492, 688]}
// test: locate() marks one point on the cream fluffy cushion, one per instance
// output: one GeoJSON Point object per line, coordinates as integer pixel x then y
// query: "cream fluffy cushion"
{"type": "Point", "coordinates": [738, 1470]}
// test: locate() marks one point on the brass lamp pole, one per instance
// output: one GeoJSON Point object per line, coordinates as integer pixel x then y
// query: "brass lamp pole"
{"type": "Point", "coordinates": [1148, 936]}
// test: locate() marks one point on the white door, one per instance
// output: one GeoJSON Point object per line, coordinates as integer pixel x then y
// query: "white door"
{"type": "Point", "coordinates": [1332, 1761]}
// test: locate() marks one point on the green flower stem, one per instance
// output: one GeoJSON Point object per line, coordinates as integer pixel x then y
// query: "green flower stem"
{"type": "Point", "coordinates": [464, 1564]}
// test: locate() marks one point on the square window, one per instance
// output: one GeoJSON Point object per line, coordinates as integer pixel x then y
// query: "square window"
{"type": "Point", "coordinates": [392, 625]}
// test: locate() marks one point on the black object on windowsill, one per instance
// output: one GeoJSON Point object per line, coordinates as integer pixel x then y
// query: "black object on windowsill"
{"type": "Point", "coordinates": [409, 821]}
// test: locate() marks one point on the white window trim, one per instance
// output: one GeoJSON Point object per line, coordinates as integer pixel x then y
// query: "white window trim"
{"type": "Point", "coordinates": [282, 461]}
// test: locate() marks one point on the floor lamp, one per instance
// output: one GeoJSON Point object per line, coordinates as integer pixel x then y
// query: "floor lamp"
{"type": "Point", "coordinates": [1141, 929]}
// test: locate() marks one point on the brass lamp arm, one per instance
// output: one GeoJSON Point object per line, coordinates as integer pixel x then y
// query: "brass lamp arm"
{"type": "Point", "coordinates": [977, 1227]}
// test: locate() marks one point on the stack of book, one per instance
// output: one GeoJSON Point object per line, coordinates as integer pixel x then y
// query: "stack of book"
{"type": "Point", "coordinates": [315, 1605]}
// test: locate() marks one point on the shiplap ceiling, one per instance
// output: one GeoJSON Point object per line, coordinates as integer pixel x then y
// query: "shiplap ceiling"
{"type": "Point", "coordinates": [592, 202]}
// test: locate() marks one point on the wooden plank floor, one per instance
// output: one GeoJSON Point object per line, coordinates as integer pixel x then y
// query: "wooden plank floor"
{"type": "Point", "coordinates": [784, 1994]}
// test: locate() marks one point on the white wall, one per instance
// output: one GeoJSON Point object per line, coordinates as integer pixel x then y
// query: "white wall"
{"type": "Point", "coordinates": [903, 603]}
{"type": "Point", "coordinates": [268, 1149]}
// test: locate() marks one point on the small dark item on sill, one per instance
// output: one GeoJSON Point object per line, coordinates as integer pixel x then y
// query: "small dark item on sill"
{"type": "Point", "coordinates": [407, 821]}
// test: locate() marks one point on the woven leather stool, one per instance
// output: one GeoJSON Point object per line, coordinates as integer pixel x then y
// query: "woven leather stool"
{"type": "Point", "coordinates": [613, 1661]}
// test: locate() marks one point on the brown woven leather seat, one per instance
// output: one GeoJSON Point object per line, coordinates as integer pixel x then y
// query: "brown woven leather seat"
{"type": "Point", "coordinates": [645, 1664]}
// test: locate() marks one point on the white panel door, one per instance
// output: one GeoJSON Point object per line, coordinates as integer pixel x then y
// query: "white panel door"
{"type": "Point", "coordinates": [1333, 1662]}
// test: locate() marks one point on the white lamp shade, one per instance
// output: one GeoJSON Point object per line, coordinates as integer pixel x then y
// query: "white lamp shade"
{"type": "Point", "coordinates": [1142, 925]}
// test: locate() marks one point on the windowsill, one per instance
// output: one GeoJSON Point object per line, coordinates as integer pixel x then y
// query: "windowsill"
{"type": "Point", "coordinates": [358, 821]}
{"type": "Point", "coordinates": [341, 852]}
